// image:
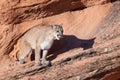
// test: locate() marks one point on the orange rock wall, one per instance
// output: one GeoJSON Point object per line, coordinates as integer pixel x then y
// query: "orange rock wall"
{"type": "Point", "coordinates": [28, 13]}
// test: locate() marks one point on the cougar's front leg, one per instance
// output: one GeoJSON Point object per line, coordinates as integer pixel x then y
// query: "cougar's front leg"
{"type": "Point", "coordinates": [37, 56]}
{"type": "Point", "coordinates": [44, 58]}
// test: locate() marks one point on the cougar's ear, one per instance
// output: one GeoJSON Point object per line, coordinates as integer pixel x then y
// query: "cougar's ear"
{"type": "Point", "coordinates": [53, 26]}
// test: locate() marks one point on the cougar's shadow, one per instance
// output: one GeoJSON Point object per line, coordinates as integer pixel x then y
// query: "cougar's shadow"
{"type": "Point", "coordinates": [69, 42]}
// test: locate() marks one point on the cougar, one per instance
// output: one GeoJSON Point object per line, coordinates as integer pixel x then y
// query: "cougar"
{"type": "Point", "coordinates": [40, 39]}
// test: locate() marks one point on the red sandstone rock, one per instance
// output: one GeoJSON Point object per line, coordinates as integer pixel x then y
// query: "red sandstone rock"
{"type": "Point", "coordinates": [90, 47]}
{"type": "Point", "coordinates": [17, 11]}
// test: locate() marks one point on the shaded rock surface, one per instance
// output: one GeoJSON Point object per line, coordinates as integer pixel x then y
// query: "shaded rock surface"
{"type": "Point", "coordinates": [90, 49]}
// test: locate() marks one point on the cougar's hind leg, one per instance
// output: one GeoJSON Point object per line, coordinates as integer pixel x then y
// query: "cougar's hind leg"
{"type": "Point", "coordinates": [24, 51]}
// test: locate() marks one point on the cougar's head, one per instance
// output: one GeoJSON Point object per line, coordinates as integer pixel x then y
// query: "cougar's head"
{"type": "Point", "coordinates": [57, 31]}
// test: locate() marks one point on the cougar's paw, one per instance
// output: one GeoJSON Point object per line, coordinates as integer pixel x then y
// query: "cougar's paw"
{"type": "Point", "coordinates": [37, 64]}
{"type": "Point", "coordinates": [46, 63]}
{"type": "Point", "coordinates": [21, 61]}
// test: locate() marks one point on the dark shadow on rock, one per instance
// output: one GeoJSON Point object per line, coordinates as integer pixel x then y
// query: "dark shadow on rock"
{"type": "Point", "coordinates": [69, 42]}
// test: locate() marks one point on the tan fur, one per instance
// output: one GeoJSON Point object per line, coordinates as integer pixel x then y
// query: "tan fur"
{"type": "Point", "coordinates": [40, 37]}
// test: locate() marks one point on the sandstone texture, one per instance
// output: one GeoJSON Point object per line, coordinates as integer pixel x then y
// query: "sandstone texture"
{"type": "Point", "coordinates": [17, 11]}
{"type": "Point", "coordinates": [90, 49]}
